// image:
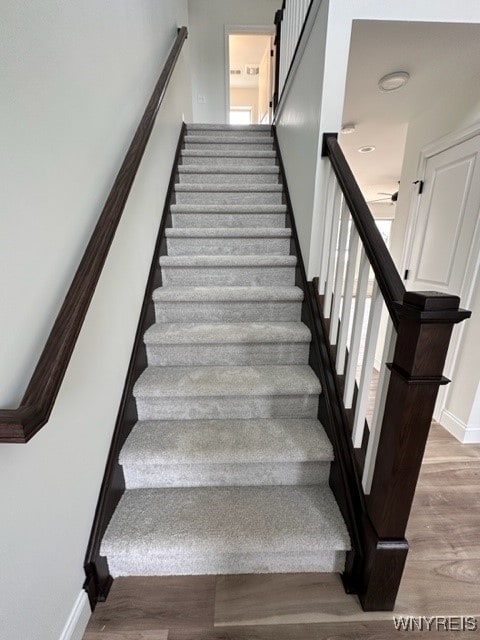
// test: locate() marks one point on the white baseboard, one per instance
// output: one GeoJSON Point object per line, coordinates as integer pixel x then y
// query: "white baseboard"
{"type": "Point", "coordinates": [458, 428]}
{"type": "Point", "coordinates": [78, 619]}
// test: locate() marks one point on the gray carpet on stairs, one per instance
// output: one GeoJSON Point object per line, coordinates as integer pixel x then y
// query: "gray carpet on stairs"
{"type": "Point", "coordinates": [227, 468]}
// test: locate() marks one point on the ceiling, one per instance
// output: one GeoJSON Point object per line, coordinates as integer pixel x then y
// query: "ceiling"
{"type": "Point", "coordinates": [439, 57]}
{"type": "Point", "coordinates": [246, 50]}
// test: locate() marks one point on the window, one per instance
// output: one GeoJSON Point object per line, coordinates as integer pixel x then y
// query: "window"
{"type": "Point", "coordinates": [241, 115]}
{"type": "Point", "coordinates": [385, 226]}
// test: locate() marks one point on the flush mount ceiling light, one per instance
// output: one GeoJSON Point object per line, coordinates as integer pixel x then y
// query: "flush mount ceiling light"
{"type": "Point", "coordinates": [347, 129]}
{"type": "Point", "coordinates": [393, 81]}
{"type": "Point", "coordinates": [367, 149]}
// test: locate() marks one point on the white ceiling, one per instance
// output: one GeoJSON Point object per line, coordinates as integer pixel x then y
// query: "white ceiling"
{"type": "Point", "coordinates": [246, 50]}
{"type": "Point", "coordinates": [439, 58]}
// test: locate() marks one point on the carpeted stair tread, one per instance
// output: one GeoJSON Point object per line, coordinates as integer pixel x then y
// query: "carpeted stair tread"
{"type": "Point", "coordinates": [236, 294]}
{"type": "Point", "coordinates": [261, 128]}
{"type": "Point", "coordinates": [230, 153]}
{"type": "Point", "coordinates": [230, 333]}
{"type": "Point", "coordinates": [228, 232]}
{"type": "Point", "coordinates": [228, 188]}
{"type": "Point", "coordinates": [199, 168]}
{"type": "Point", "coordinates": [228, 261]}
{"type": "Point", "coordinates": [226, 441]}
{"type": "Point", "coordinates": [225, 530]}
{"type": "Point", "coordinates": [231, 140]}
{"type": "Point", "coordinates": [232, 208]}
{"type": "Point", "coordinates": [218, 381]}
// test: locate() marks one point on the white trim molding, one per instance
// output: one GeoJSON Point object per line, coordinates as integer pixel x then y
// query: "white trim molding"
{"type": "Point", "coordinates": [76, 624]}
{"type": "Point", "coordinates": [458, 428]}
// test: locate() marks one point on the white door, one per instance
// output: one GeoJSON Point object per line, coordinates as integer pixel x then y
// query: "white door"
{"type": "Point", "coordinates": [445, 246]}
{"type": "Point", "coordinates": [443, 243]}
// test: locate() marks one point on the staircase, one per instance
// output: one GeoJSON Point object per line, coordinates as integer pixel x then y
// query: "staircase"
{"type": "Point", "coordinates": [227, 468]}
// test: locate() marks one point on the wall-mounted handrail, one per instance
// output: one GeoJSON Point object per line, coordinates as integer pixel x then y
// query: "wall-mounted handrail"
{"type": "Point", "coordinates": [19, 425]}
{"type": "Point", "coordinates": [381, 261]}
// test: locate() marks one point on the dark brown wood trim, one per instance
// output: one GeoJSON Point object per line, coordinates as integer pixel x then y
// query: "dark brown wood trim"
{"type": "Point", "coordinates": [278, 43]}
{"type": "Point", "coordinates": [19, 425]}
{"type": "Point", "coordinates": [386, 272]}
{"type": "Point", "coordinates": [344, 481]}
{"type": "Point", "coordinates": [98, 580]}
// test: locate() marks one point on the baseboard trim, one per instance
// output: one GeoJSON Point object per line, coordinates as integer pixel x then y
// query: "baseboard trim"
{"type": "Point", "coordinates": [461, 431]}
{"type": "Point", "coordinates": [76, 624]}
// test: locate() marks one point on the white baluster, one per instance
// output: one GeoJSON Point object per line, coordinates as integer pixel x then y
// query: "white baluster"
{"type": "Point", "coordinates": [331, 187]}
{"type": "Point", "coordinates": [332, 250]}
{"type": "Point", "coordinates": [339, 274]}
{"type": "Point", "coordinates": [360, 298]}
{"type": "Point", "coordinates": [367, 366]}
{"type": "Point", "coordinates": [347, 300]}
{"type": "Point", "coordinates": [379, 409]}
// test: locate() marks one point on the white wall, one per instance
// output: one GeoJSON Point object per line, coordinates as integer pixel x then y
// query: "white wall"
{"type": "Point", "coordinates": [456, 111]}
{"type": "Point", "coordinates": [208, 19]}
{"type": "Point", "coordinates": [78, 76]}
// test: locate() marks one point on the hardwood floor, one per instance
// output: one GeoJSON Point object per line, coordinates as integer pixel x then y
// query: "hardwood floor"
{"type": "Point", "coordinates": [442, 577]}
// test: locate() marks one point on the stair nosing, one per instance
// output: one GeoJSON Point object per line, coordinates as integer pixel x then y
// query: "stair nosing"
{"type": "Point", "coordinates": [228, 294]}
{"type": "Point", "coordinates": [210, 381]}
{"type": "Point", "coordinates": [228, 232]}
{"type": "Point", "coordinates": [202, 333]}
{"type": "Point", "coordinates": [230, 261]}
{"type": "Point", "coordinates": [230, 441]}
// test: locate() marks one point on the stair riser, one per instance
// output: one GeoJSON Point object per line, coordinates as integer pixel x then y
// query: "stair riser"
{"type": "Point", "coordinates": [228, 178]}
{"type": "Point", "coordinates": [228, 146]}
{"type": "Point", "coordinates": [229, 161]}
{"type": "Point", "coordinates": [233, 354]}
{"type": "Point", "coordinates": [158, 476]}
{"type": "Point", "coordinates": [231, 220]}
{"type": "Point", "coordinates": [228, 311]}
{"type": "Point", "coordinates": [228, 197]}
{"type": "Point", "coordinates": [228, 246]}
{"type": "Point", "coordinates": [223, 407]}
{"type": "Point", "coordinates": [228, 276]}
{"type": "Point", "coordinates": [195, 564]}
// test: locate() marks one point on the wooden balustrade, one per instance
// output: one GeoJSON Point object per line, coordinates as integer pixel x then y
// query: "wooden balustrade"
{"type": "Point", "coordinates": [290, 22]}
{"type": "Point", "coordinates": [387, 450]}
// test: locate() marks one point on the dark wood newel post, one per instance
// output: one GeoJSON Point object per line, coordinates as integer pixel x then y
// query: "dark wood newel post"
{"type": "Point", "coordinates": [426, 321]}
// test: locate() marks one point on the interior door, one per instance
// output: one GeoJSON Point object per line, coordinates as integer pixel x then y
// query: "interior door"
{"type": "Point", "coordinates": [443, 251]}
{"type": "Point", "coordinates": [446, 239]}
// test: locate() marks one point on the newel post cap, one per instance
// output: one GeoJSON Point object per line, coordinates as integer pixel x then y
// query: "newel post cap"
{"type": "Point", "coordinates": [431, 307]}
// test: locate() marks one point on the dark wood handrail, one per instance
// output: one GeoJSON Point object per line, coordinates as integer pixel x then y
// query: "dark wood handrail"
{"type": "Point", "coordinates": [386, 272]}
{"type": "Point", "coordinates": [19, 425]}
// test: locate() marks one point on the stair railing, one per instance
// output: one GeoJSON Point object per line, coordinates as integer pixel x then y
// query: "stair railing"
{"type": "Point", "coordinates": [291, 27]}
{"type": "Point", "coordinates": [386, 441]}
{"type": "Point", "coordinates": [19, 425]}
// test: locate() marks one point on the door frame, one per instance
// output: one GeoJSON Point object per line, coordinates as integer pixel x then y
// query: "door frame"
{"type": "Point", "coordinates": [473, 267]}
{"type": "Point", "coordinates": [248, 30]}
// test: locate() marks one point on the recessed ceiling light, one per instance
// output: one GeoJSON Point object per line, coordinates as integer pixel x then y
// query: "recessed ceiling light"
{"type": "Point", "coordinates": [393, 81]}
{"type": "Point", "coordinates": [367, 149]}
{"type": "Point", "coordinates": [347, 129]}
